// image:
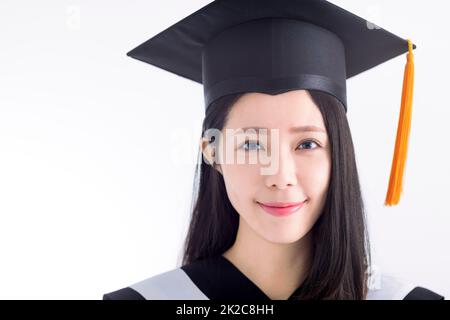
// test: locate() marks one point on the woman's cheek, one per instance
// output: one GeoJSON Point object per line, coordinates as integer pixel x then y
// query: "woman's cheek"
{"type": "Point", "coordinates": [314, 174]}
{"type": "Point", "coordinates": [239, 182]}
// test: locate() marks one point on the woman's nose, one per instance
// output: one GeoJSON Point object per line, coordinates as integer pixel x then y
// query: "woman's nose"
{"type": "Point", "coordinates": [285, 173]}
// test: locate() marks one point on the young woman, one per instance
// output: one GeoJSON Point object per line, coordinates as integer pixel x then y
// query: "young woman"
{"type": "Point", "coordinates": [315, 250]}
{"type": "Point", "coordinates": [316, 247]}
{"type": "Point", "coordinates": [278, 212]}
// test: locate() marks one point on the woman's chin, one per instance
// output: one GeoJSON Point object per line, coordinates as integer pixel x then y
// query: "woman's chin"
{"type": "Point", "coordinates": [278, 237]}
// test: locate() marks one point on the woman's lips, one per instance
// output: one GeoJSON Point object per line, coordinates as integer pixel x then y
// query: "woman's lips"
{"type": "Point", "coordinates": [281, 208]}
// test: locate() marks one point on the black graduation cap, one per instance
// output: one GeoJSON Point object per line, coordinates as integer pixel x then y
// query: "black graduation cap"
{"type": "Point", "coordinates": [274, 46]}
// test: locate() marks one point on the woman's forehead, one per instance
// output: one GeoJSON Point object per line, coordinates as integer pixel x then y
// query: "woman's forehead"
{"type": "Point", "coordinates": [291, 111]}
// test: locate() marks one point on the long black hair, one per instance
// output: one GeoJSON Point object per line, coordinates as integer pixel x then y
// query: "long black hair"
{"type": "Point", "coordinates": [341, 249]}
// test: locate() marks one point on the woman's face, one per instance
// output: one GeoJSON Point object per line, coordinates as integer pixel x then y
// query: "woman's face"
{"type": "Point", "coordinates": [299, 166]}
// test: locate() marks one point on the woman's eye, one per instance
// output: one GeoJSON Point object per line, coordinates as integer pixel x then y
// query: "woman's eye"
{"type": "Point", "coordinates": [308, 144]}
{"type": "Point", "coordinates": [251, 145]}
{"type": "Point", "coordinates": [254, 145]}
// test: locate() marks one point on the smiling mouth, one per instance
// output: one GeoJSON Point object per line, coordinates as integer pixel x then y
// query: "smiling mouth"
{"type": "Point", "coordinates": [281, 209]}
{"type": "Point", "coordinates": [281, 204]}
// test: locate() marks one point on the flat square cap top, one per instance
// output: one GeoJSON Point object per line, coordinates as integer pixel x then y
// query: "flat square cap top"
{"type": "Point", "coordinates": [270, 46]}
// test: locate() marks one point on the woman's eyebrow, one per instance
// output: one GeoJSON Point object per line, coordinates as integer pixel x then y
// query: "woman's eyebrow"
{"type": "Point", "coordinates": [308, 128]}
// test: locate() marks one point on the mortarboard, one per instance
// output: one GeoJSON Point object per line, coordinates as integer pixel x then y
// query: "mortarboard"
{"type": "Point", "coordinates": [274, 46]}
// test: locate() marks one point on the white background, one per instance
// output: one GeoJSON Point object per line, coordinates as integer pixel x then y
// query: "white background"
{"type": "Point", "coordinates": [91, 198]}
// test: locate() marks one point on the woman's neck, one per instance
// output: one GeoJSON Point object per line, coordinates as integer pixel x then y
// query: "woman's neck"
{"type": "Point", "coordinates": [277, 269]}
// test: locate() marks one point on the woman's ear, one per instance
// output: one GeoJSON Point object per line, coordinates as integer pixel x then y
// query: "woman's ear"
{"type": "Point", "coordinates": [209, 154]}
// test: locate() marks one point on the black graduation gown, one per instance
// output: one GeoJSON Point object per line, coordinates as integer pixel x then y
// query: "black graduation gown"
{"type": "Point", "coordinates": [218, 278]}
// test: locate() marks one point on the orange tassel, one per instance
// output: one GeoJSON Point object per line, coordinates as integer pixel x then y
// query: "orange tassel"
{"type": "Point", "coordinates": [403, 130]}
